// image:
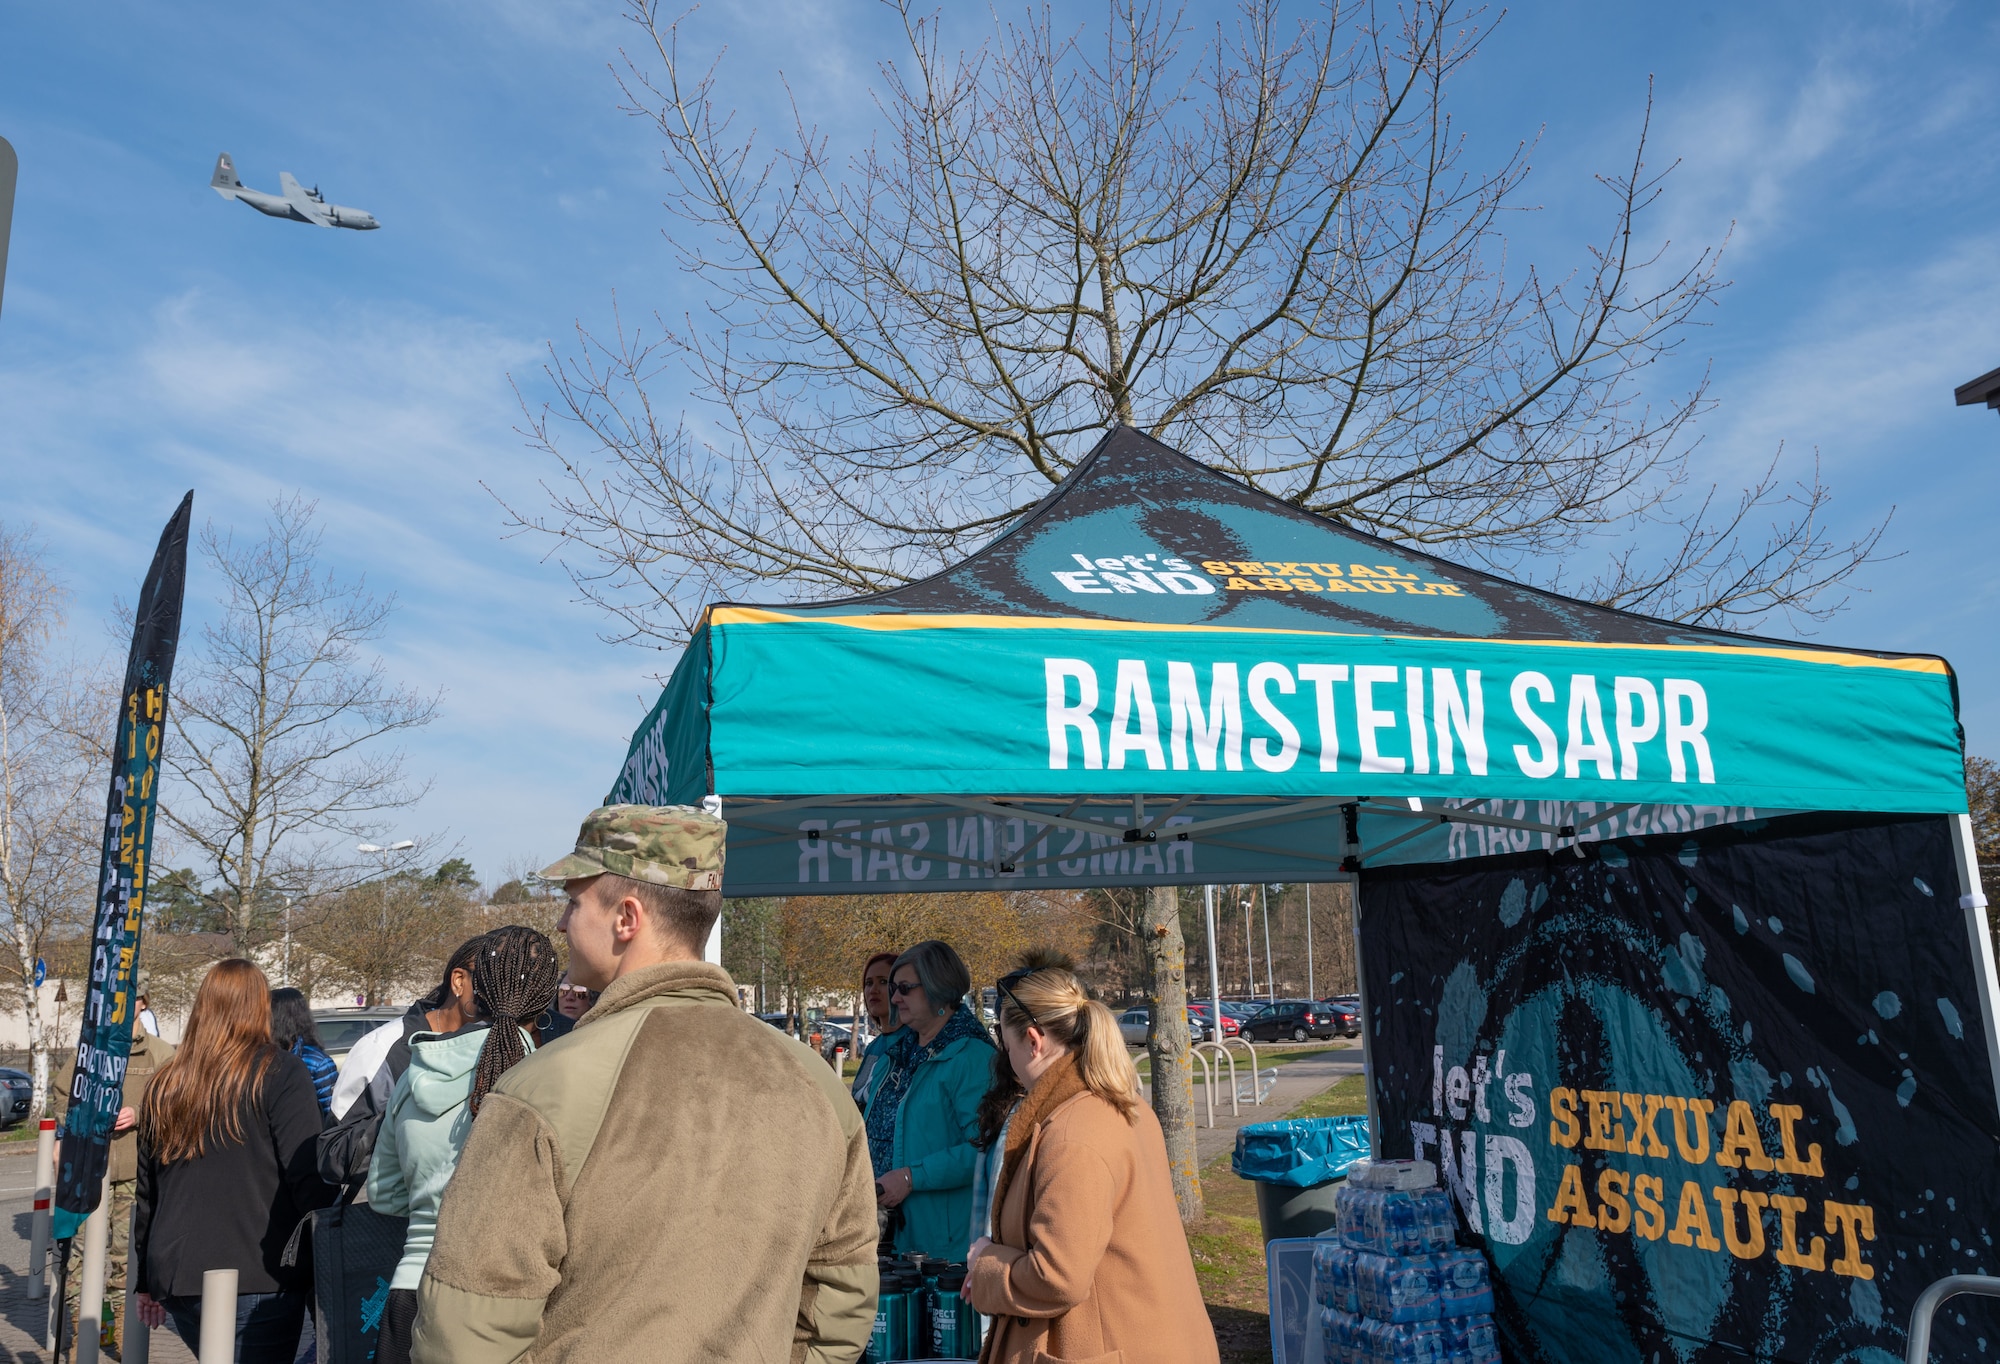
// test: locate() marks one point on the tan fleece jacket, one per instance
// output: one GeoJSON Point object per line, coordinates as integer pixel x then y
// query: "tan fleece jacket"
{"type": "Point", "coordinates": [672, 1181]}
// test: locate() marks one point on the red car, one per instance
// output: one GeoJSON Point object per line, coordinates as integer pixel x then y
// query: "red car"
{"type": "Point", "coordinates": [1199, 1013]}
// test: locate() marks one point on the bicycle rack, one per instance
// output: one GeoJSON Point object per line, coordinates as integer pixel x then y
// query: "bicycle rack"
{"type": "Point", "coordinates": [1256, 1096]}
{"type": "Point", "coordinates": [1919, 1348]}
{"type": "Point", "coordinates": [1208, 1078]}
{"type": "Point", "coordinates": [1207, 1081]}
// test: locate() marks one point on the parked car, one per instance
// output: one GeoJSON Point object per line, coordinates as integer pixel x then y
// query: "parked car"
{"type": "Point", "coordinates": [340, 1029]}
{"type": "Point", "coordinates": [1347, 1017]}
{"type": "Point", "coordinates": [17, 1094]}
{"type": "Point", "coordinates": [836, 1039]}
{"type": "Point", "coordinates": [1134, 1025]}
{"type": "Point", "coordinates": [1199, 1014]}
{"type": "Point", "coordinates": [782, 1022]}
{"type": "Point", "coordinates": [1292, 1020]}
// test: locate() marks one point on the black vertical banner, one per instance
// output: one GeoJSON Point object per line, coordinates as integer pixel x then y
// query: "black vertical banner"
{"type": "Point", "coordinates": [104, 1042]}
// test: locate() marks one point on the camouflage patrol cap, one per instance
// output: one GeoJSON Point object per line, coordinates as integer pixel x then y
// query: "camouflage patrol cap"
{"type": "Point", "coordinates": [667, 845]}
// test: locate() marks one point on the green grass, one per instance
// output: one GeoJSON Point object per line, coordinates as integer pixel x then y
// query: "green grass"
{"type": "Point", "coordinates": [1347, 1097]}
{"type": "Point", "coordinates": [1228, 1242]}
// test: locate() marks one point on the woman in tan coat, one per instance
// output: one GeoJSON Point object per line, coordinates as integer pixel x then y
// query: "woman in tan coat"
{"type": "Point", "coordinates": [1088, 1263]}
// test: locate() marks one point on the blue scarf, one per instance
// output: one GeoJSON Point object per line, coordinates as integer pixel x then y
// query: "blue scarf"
{"type": "Point", "coordinates": [903, 1059]}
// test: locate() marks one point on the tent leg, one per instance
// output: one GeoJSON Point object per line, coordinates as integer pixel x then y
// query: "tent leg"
{"type": "Point", "coordinates": [1973, 901]}
{"type": "Point", "coordinates": [1367, 1031]}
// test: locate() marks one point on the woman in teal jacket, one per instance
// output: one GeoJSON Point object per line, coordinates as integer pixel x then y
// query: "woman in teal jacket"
{"type": "Point", "coordinates": [924, 1114]}
{"type": "Point", "coordinates": [431, 1111]}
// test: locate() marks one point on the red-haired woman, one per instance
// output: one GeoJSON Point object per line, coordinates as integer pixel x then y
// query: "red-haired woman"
{"type": "Point", "coordinates": [882, 1021]}
{"type": "Point", "coordinates": [226, 1170]}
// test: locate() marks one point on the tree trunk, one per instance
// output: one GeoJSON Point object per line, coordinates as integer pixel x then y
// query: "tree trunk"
{"type": "Point", "coordinates": [1169, 1046]}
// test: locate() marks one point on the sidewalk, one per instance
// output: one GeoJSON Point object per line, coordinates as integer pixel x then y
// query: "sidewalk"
{"type": "Point", "coordinates": [22, 1321]}
{"type": "Point", "coordinates": [1297, 1081]}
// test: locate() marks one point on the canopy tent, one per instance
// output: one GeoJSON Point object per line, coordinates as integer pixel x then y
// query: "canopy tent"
{"type": "Point", "coordinates": [1160, 676]}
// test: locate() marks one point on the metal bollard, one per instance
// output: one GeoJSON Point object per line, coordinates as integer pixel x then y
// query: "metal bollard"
{"type": "Point", "coordinates": [218, 1317]}
{"type": "Point", "coordinates": [90, 1291]}
{"type": "Point", "coordinates": [137, 1343]}
{"type": "Point", "coordinates": [45, 1191]}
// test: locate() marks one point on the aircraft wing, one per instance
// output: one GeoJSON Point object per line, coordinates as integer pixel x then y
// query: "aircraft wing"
{"type": "Point", "coordinates": [308, 207]}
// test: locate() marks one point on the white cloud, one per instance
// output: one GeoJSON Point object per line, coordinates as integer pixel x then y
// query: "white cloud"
{"type": "Point", "coordinates": [1747, 144]}
{"type": "Point", "coordinates": [391, 418]}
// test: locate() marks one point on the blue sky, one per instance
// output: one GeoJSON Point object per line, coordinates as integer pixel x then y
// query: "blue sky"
{"type": "Point", "coordinates": [156, 338]}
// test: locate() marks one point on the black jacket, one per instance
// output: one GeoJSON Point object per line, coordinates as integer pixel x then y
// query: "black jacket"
{"type": "Point", "coordinates": [348, 1146]}
{"type": "Point", "coordinates": [234, 1206]}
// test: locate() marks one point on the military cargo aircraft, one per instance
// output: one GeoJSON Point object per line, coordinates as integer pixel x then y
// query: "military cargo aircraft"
{"type": "Point", "coordinates": [296, 202]}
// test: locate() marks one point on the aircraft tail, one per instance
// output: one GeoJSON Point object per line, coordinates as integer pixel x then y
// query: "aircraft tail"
{"type": "Point", "coordinates": [224, 181]}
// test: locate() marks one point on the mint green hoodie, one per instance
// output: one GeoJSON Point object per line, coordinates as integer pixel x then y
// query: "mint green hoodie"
{"type": "Point", "coordinates": [421, 1137]}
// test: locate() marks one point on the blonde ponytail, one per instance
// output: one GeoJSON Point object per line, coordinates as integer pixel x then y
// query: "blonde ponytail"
{"type": "Point", "coordinates": [1102, 1061]}
{"type": "Point", "coordinates": [1051, 997]}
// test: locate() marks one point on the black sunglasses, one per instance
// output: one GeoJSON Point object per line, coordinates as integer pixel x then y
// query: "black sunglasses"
{"type": "Point", "coordinates": [1005, 985]}
{"type": "Point", "coordinates": [903, 987]}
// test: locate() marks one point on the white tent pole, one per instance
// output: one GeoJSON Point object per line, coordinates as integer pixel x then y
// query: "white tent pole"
{"type": "Point", "coordinates": [1270, 976]}
{"type": "Point", "coordinates": [1214, 967]}
{"type": "Point", "coordinates": [1312, 989]}
{"type": "Point", "coordinates": [1972, 900]}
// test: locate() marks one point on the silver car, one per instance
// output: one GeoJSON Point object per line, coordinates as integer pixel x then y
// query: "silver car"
{"type": "Point", "coordinates": [1133, 1025]}
{"type": "Point", "coordinates": [340, 1029]}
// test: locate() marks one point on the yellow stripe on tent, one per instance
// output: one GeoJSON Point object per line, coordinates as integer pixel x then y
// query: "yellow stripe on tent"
{"type": "Point", "coordinates": [759, 615]}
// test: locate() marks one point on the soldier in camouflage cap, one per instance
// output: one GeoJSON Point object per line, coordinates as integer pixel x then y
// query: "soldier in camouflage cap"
{"type": "Point", "coordinates": [606, 1171]}
{"type": "Point", "coordinates": [662, 845]}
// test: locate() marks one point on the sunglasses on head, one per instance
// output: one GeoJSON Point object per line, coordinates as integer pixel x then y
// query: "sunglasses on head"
{"type": "Point", "coordinates": [1006, 986]}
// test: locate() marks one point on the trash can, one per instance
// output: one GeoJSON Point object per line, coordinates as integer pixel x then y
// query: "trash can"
{"type": "Point", "coordinates": [1295, 1165]}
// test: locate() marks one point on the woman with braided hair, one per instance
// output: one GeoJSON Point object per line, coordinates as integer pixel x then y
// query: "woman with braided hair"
{"type": "Point", "coordinates": [430, 1114]}
{"type": "Point", "coordinates": [1087, 1258]}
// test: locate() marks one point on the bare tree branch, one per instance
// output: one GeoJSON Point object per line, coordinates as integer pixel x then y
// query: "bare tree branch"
{"type": "Point", "coordinates": [279, 723]}
{"type": "Point", "coordinates": [1269, 249]}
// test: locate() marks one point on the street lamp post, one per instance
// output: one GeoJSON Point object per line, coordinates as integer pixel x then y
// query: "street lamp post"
{"type": "Point", "coordinates": [1249, 950]}
{"type": "Point", "coordinates": [1312, 988]}
{"type": "Point", "coordinates": [1270, 976]}
{"type": "Point", "coordinates": [403, 845]}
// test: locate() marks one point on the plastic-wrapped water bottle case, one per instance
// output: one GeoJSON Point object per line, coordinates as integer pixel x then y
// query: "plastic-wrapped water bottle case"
{"type": "Point", "coordinates": [1392, 1286]}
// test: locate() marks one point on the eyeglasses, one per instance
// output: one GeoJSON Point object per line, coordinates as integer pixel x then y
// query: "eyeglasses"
{"type": "Point", "coordinates": [903, 987]}
{"type": "Point", "coordinates": [1005, 985]}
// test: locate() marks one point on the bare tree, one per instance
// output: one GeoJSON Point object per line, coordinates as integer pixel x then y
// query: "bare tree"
{"type": "Point", "coordinates": [49, 811]}
{"type": "Point", "coordinates": [279, 725]}
{"type": "Point", "coordinates": [1269, 248]}
{"type": "Point", "coordinates": [1270, 252]}
{"type": "Point", "coordinates": [387, 936]}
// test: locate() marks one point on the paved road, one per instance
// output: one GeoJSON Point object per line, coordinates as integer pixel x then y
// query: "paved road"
{"type": "Point", "coordinates": [21, 1321]}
